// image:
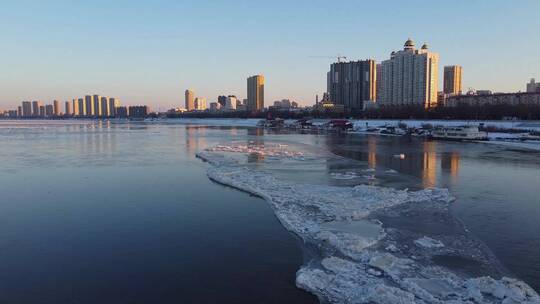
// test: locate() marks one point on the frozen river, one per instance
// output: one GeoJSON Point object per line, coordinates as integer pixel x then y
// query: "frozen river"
{"type": "Point", "coordinates": [124, 212]}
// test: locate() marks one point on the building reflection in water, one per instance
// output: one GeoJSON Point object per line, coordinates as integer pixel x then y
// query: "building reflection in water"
{"type": "Point", "coordinates": [450, 164]}
{"type": "Point", "coordinates": [195, 139]}
{"type": "Point", "coordinates": [255, 139]}
{"type": "Point", "coordinates": [429, 169]}
{"type": "Point", "coordinates": [372, 152]}
{"type": "Point", "coordinates": [377, 151]}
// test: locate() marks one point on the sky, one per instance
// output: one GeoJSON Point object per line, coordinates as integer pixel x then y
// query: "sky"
{"type": "Point", "coordinates": [149, 52]}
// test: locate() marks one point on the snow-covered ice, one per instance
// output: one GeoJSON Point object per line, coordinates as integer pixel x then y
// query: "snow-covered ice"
{"type": "Point", "coordinates": [358, 260]}
{"type": "Point", "coordinates": [348, 175]}
{"type": "Point", "coordinates": [428, 242]}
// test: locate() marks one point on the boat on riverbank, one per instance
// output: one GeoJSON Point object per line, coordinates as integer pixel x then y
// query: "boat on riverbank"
{"type": "Point", "coordinates": [459, 133]}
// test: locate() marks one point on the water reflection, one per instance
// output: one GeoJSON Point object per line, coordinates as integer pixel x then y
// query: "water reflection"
{"type": "Point", "coordinates": [255, 139]}
{"type": "Point", "coordinates": [195, 139]}
{"type": "Point", "coordinates": [429, 168]}
{"type": "Point", "coordinates": [450, 165]}
{"type": "Point", "coordinates": [372, 152]}
{"type": "Point", "coordinates": [422, 157]}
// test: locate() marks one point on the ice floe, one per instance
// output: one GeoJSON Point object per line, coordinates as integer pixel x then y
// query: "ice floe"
{"type": "Point", "coordinates": [428, 242]}
{"type": "Point", "coordinates": [272, 150]}
{"type": "Point", "coordinates": [358, 260]}
{"type": "Point", "coordinates": [345, 176]}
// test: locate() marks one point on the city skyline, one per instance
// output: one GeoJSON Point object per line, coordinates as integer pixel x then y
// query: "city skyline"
{"type": "Point", "coordinates": [49, 57]}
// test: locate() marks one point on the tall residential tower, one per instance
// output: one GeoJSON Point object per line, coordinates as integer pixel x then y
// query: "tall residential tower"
{"type": "Point", "coordinates": [190, 100]}
{"type": "Point", "coordinates": [89, 105]}
{"type": "Point", "coordinates": [352, 83]}
{"type": "Point", "coordinates": [255, 93]}
{"type": "Point", "coordinates": [409, 77]}
{"type": "Point", "coordinates": [452, 80]}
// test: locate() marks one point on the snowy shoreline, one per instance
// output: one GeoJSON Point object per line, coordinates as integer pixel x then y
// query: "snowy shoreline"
{"type": "Point", "coordinates": [363, 262]}
{"type": "Point", "coordinates": [502, 139]}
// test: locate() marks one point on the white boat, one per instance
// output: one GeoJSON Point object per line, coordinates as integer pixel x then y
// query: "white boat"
{"type": "Point", "coordinates": [459, 133]}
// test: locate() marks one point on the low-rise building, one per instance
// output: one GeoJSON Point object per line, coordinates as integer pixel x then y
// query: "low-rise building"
{"type": "Point", "coordinates": [138, 111]}
{"type": "Point", "coordinates": [530, 98]}
{"type": "Point", "coordinates": [215, 106]}
{"type": "Point", "coordinates": [231, 103]}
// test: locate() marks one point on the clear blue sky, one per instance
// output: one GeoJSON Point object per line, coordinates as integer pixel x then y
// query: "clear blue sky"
{"type": "Point", "coordinates": [151, 51]}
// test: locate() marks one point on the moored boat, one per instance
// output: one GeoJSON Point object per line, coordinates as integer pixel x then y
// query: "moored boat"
{"type": "Point", "coordinates": [459, 133]}
{"type": "Point", "coordinates": [339, 125]}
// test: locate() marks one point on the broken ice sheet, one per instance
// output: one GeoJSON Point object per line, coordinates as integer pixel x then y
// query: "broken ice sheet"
{"type": "Point", "coordinates": [350, 266]}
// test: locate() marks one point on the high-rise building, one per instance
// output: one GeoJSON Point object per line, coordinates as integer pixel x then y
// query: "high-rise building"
{"type": "Point", "coordinates": [255, 93]}
{"type": "Point", "coordinates": [113, 104]}
{"type": "Point", "coordinates": [105, 111]}
{"type": "Point", "coordinates": [533, 86]}
{"type": "Point", "coordinates": [82, 106]}
{"type": "Point", "coordinates": [49, 110]}
{"type": "Point", "coordinates": [222, 100]}
{"type": "Point", "coordinates": [190, 100]}
{"type": "Point", "coordinates": [200, 103]}
{"type": "Point", "coordinates": [67, 109]}
{"type": "Point", "coordinates": [97, 105]}
{"type": "Point", "coordinates": [19, 111]}
{"type": "Point", "coordinates": [56, 108]}
{"type": "Point", "coordinates": [27, 109]}
{"type": "Point", "coordinates": [41, 111]}
{"type": "Point", "coordinates": [452, 80]}
{"type": "Point", "coordinates": [35, 108]}
{"type": "Point", "coordinates": [409, 77]}
{"type": "Point", "coordinates": [378, 78]}
{"type": "Point", "coordinates": [89, 105]}
{"type": "Point", "coordinates": [352, 83]}
{"type": "Point", "coordinates": [74, 107]}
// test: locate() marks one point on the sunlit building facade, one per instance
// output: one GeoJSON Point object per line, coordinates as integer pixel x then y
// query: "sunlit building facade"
{"type": "Point", "coordinates": [452, 83]}
{"type": "Point", "coordinates": [56, 108]}
{"type": "Point", "coordinates": [200, 103]}
{"type": "Point", "coordinates": [409, 77]}
{"type": "Point", "coordinates": [190, 100]}
{"type": "Point", "coordinates": [255, 93]}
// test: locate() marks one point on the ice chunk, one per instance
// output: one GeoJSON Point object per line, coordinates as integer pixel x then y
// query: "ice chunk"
{"type": "Point", "coordinates": [428, 242]}
{"type": "Point", "coordinates": [400, 156]}
{"type": "Point", "coordinates": [350, 175]}
{"type": "Point", "coordinates": [390, 264]}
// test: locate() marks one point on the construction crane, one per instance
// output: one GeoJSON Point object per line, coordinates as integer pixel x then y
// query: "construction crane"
{"type": "Point", "coordinates": [338, 56]}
